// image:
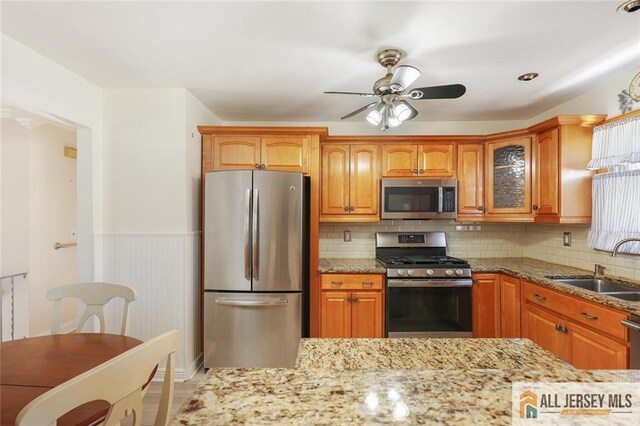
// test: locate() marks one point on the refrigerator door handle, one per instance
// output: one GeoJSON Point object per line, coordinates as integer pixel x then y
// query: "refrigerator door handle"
{"type": "Point", "coordinates": [247, 225]}
{"type": "Point", "coordinates": [255, 238]}
{"type": "Point", "coordinates": [241, 302]}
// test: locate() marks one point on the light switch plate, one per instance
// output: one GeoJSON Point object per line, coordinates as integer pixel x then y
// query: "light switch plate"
{"type": "Point", "coordinates": [566, 238]}
{"type": "Point", "coordinates": [347, 236]}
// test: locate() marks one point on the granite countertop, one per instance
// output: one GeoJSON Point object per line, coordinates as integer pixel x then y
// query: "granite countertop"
{"type": "Point", "coordinates": [537, 271]}
{"type": "Point", "coordinates": [412, 354]}
{"type": "Point", "coordinates": [350, 266]}
{"type": "Point", "coordinates": [321, 396]}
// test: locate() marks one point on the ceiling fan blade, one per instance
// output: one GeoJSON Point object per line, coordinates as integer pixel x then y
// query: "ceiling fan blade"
{"type": "Point", "coordinates": [448, 91]}
{"type": "Point", "coordinates": [358, 111]}
{"type": "Point", "coordinates": [350, 93]}
{"type": "Point", "coordinates": [403, 77]}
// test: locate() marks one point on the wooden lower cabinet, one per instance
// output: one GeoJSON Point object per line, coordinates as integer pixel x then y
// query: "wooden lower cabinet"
{"type": "Point", "coordinates": [336, 314]}
{"type": "Point", "coordinates": [509, 306]}
{"type": "Point", "coordinates": [540, 325]}
{"type": "Point", "coordinates": [557, 331]}
{"type": "Point", "coordinates": [590, 350]}
{"type": "Point", "coordinates": [352, 305]}
{"type": "Point", "coordinates": [486, 305]}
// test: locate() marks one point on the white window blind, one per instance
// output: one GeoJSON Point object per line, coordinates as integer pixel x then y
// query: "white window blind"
{"type": "Point", "coordinates": [616, 211]}
{"type": "Point", "coordinates": [616, 143]}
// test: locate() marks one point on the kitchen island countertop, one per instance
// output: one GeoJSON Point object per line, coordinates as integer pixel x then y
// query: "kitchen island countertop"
{"type": "Point", "coordinates": [412, 354]}
{"type": "Point", "coordinates": [324, 396]}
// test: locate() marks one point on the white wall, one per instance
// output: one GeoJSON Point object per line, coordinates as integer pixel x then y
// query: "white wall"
{"type": "Point", "coordinates": [14, 149]}
{"type": "Point", "coordinates": [151, 232]}
{"type": "Point", "coordinates": [52, 218]}
{"type": "Point", "coordinates": [33, 82]}
{"type": "Point", "coordinates": [39, 200]}
{"type": "Point", "coordinates": [358, 126]}
{"type": "Point", "coordinates": [602, 99]}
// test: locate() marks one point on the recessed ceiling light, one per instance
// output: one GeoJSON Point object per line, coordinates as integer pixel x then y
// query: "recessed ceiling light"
{"type": "Point", "coordinates": [529, 76]}
{"type": "Point", "coordinates": [629, 6]}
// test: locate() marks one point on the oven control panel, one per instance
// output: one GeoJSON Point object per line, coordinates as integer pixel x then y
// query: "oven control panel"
{"type": "Point", "coordinates": [411, 239]}
{"type": "Point", "coordinates": [429, 273]}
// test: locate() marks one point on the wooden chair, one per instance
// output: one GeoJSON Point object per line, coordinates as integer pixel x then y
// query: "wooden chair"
{"type": "Point", "coordinates": [118, 381]}
{"type": "Point", "coordinates": [95, 295]}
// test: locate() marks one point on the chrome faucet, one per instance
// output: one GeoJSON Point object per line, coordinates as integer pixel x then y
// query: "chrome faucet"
{"type": "Point", "coordinates": [621, 242]}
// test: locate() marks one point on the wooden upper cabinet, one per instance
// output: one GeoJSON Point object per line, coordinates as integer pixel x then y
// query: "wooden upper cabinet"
{"type": "Point", "coordinates": [335, 179]}
{"type": "Point", "coordinates": [470, 180]}
{"type": "Point", "coordinates": [485, 298]}
{"type": "Point", "coordinates": [436, 160]}
{"type": "Point", "coordinates": [235, 152]}
{"type": "Point", "coordinates": [287, 153]}
{"type": "Point", "coordinates": [547, 172]}
{"type": "Point", "coordinates": [563, 183]}
{"type": "Point", "coordinates": [508, 177]}
{"type": "Point", "coordinates": [399, 160]}
{"type": "Point", "coordinates": [350, 183]}
{"type": "Point", "coordinates": [363, 179]}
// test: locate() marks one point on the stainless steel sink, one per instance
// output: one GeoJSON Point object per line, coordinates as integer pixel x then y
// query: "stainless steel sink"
{"type": "Point", "coordinates": [598, 285]}
{"type": "Point", "coordinates": [631, 296]}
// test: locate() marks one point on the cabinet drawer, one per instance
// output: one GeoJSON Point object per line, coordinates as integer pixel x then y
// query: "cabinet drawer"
{"type": "Point", "coordinates": [352, 281]}
{"type": "Point", "coordinates": [593, 315]}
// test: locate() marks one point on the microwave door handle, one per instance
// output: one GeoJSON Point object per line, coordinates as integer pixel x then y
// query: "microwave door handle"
{"type": "Point", "coordinates": [439, 199]}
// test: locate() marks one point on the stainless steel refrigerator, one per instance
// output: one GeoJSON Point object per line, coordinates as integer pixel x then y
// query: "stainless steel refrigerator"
{"type": "Point", "coordinates": [255, 268]}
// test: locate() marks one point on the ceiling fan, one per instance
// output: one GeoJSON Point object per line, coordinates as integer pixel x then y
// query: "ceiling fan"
{"type": "Point", "coordinates": [392, 108]}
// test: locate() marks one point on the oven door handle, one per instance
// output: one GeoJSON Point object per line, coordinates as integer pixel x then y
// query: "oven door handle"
{"type": "Point", "coordinates": [429, 283]}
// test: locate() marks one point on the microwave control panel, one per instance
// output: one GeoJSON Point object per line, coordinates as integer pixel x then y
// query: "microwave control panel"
{"type": "Point", "coordinates": [448, 199]}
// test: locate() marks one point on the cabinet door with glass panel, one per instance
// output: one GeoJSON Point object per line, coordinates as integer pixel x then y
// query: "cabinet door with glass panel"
{"type": "Point", "coordinates": [508, 178]}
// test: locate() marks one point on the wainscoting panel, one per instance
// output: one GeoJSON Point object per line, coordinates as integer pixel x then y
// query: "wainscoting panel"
{"type": "Point", "coordinates": [163, 268]}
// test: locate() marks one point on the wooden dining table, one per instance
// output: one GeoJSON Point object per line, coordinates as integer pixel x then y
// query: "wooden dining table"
{"type": "Point", "coordinates": [30, 367]}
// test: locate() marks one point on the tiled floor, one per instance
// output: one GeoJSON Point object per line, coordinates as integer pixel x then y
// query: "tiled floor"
{"type": "Point", "coordinates": [182, 392]}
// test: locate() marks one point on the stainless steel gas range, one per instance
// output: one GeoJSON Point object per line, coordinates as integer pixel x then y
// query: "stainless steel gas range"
{"type": "Point", "coordinates": [428, 293]}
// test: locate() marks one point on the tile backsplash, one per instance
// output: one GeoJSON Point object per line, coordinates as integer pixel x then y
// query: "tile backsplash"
{"type": "Point", "coordinates": [535, 241]}
{"type": "Point", "coordinates": [492, 240]}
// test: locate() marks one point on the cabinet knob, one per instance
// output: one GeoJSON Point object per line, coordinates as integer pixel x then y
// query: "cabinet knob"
{"type": "Point", "coordinates": [346, 208]}
{"type": "Point", "coordinates": [415, 171]}
{"type": "Point", "coordinates": [262, 166]}
{"type": "Point", "coordinates": [351, 208]}
{"type": "Point", "coordinates": [257, 166]}
{"type": "Point", "coordinates": [421, 171]}
{"type": "Point", "coordinates": [481, 208]}
{"type": "Point", "coordinates": [535, 207]}
{"type": "Point", "coordinates": [354, 299]}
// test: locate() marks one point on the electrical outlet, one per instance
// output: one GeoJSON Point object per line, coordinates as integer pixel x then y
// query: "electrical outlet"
{"type": "Point", "coordinates": [566, 237]}
{"type": "Point", "coordinates": [347, 236]}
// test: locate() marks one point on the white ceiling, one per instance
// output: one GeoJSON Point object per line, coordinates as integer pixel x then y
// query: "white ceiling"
{"type": "Point", "coordinates": [271, 61]}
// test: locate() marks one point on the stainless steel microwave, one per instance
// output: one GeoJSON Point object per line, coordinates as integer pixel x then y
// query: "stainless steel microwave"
{"type": "Point", "coordinates": [419, 198]}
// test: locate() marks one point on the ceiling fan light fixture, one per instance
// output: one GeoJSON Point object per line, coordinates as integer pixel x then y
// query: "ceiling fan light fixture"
{"type": "Point", "coordinates": [375, 115]}
{"type": "Point", "coordinates": [401, 111]}
{"type": "Point", "coordinates": [393, 121]}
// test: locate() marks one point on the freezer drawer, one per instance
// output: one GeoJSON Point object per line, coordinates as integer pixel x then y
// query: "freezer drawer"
{"type": "Point", "coordinates": [251, 329]}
